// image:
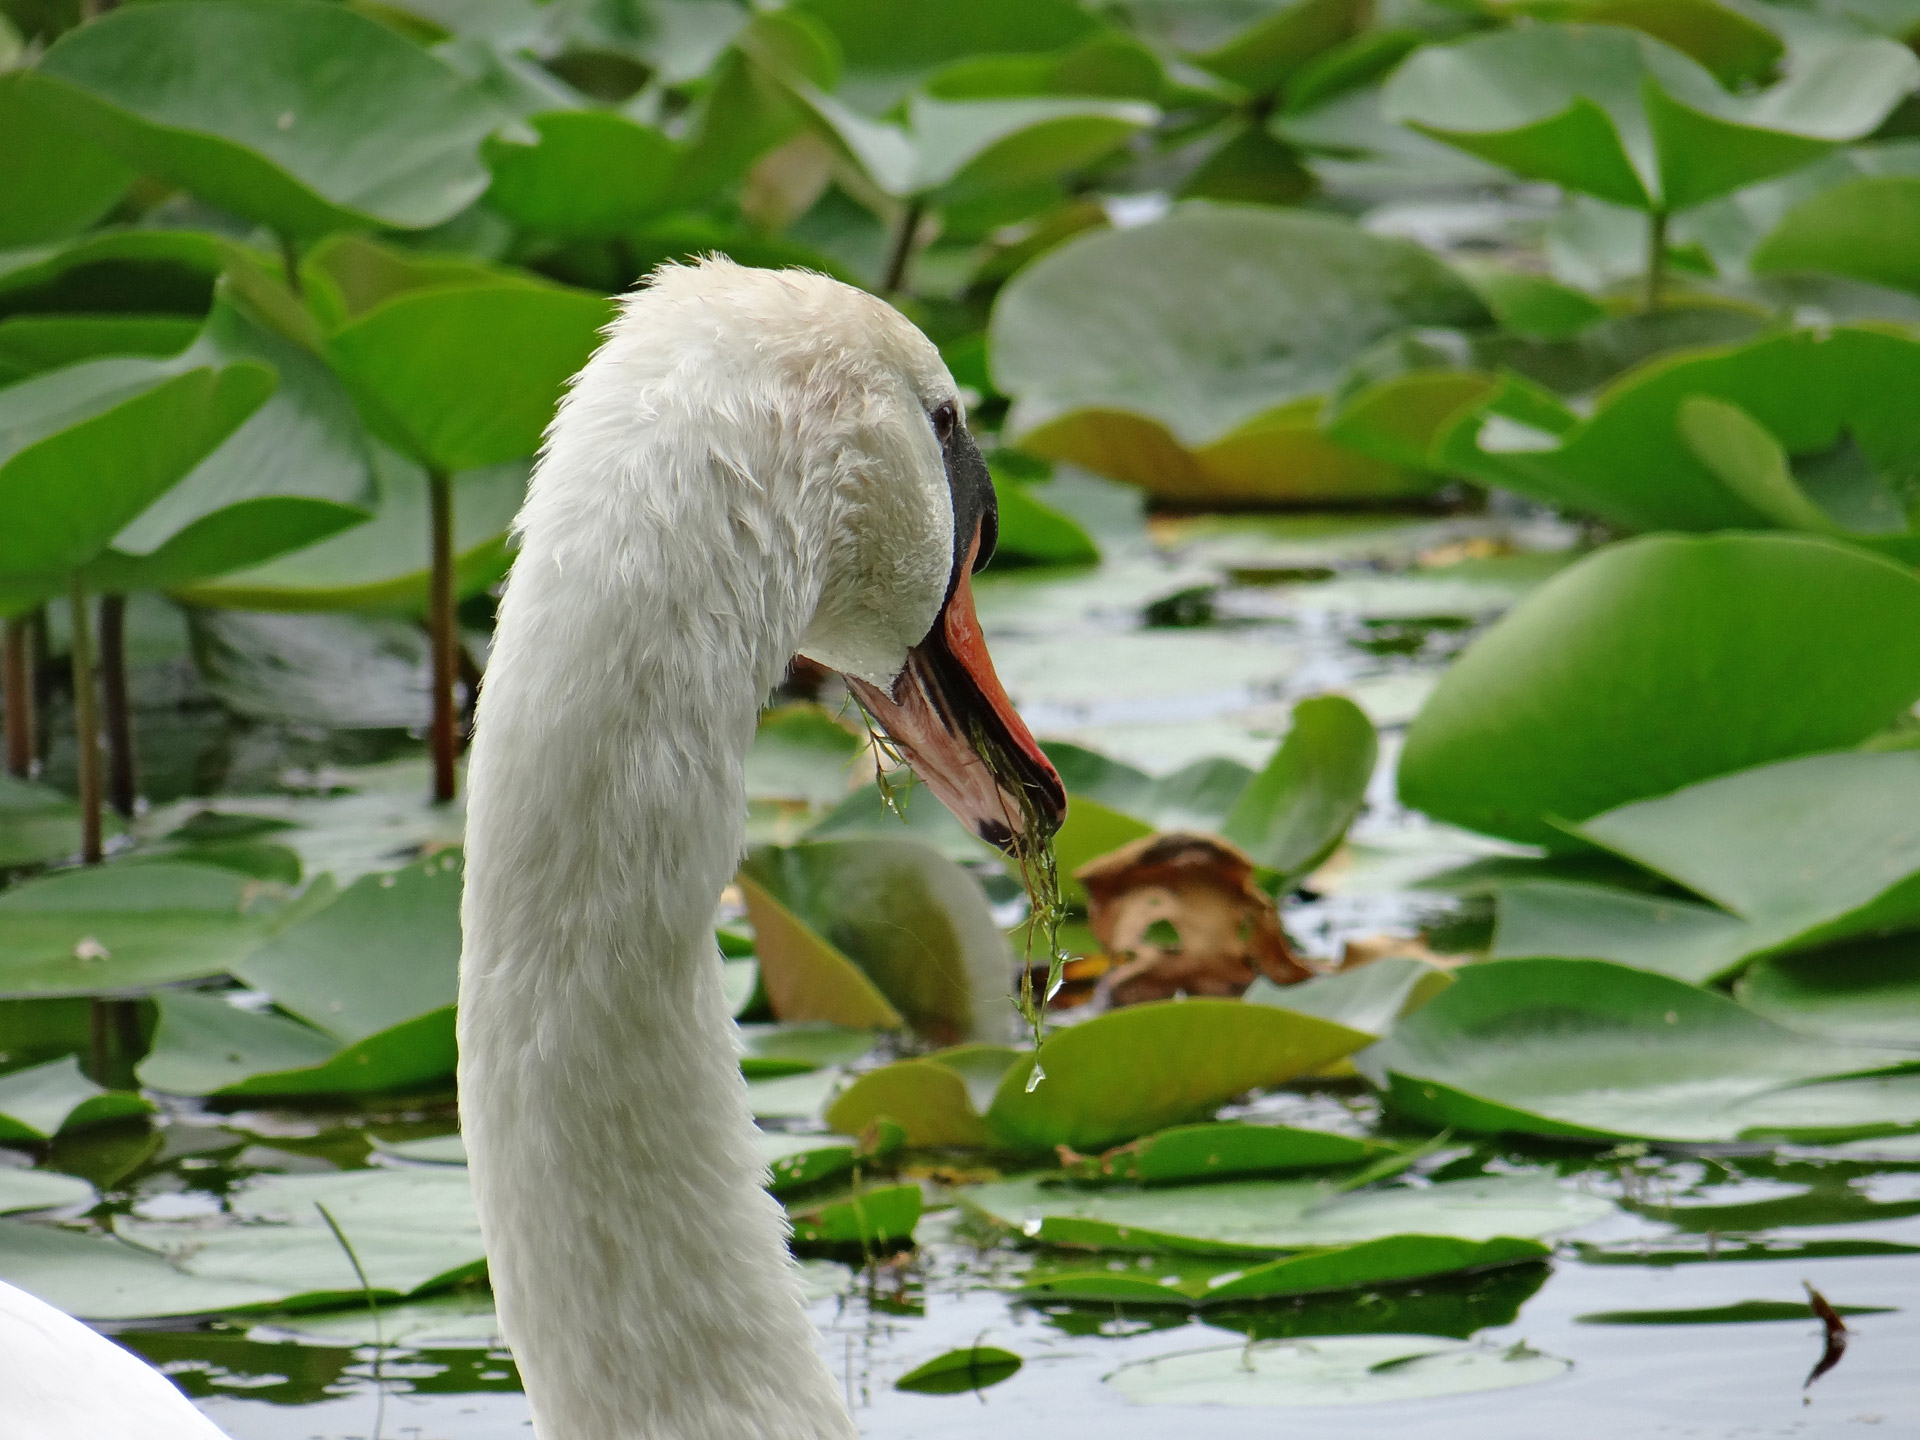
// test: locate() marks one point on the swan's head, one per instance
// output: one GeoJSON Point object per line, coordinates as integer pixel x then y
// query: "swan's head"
{"type": "Point", "coordinates": [873, 428]}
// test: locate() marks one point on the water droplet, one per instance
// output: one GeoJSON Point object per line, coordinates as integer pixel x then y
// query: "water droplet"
{"type": "Point", "coordinates": [1033, 1080]}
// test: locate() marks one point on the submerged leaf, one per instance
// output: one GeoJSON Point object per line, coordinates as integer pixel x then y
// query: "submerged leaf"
{"type": "Point", "coordinates": [1332, 1370]}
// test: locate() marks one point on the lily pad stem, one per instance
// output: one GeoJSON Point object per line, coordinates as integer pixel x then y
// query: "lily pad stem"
{"type": "Point", "coordinates": [1656, 259]}
{"type": "Point", "coordinates": [123, 782]}
{"type": "Point", "coordinates": [902, 253]}
{"type": "Point", "coordinates": [86, 720]}
{"type": "Point", "coordinates": [18, 679]}
{"type": "Point", "coordinates": [290, 262]}
{"type": "Point", "coordinates": [444, 643]}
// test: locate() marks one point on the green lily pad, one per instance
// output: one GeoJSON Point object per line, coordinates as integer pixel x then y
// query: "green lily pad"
{"type": "Point", "coordinates": [382, 564]}
{"type": "Point", "coordinates": [30, 344]}
{"type": "Point", "coordinates": [1259, 1217]}
{"type": "Point", "coordinates": [56, 1099]}
{"type": "Point", "coordinates": [204, 1045]}
{"type": "Point", "coordinates": [913, 930]}
{"type": "Point", "coordinates": [1589, 1049]}
{"type": "Point", "coordinates": [1276, 48]}
{"type": "Point", "coordinates": [961, 1372]}
{"type": "Point", "coordinates": [1141, 1069]}
{"type": "Point", "coordinates": [459, 377]}
{"type": "Point", "coordinates": [41, 1190]}
{"type": "Point", "coordinates": [37, 823]}
{"type": "Point", "coordinates": [1741, 1312]}
{"type": "Point", "coordinates": [1616, 114]}
{"type": "Point", "coordinates": [800, 752]}
{"type": "Point", "coordinates": [1858, 228]}
{"type": "Point", "coordinates": [54, 179]}
{"type": "Point", "coordinates": [386, 951]}
{"type": "Point", "coordinates": [152, 272]}
{"type": "Point", "coordinates": [1032, 530]}
{"type": "Point", "coordinates": [880, 1215]}
{"type": "Point", "coordinates": [1370, 998]}
{"type": "Point", "coordinates": [128, 927]}
{"type": "Point", "coordinates": [110, 1279]}
{"type": "Point", "coordinates": [1333, 1370]}
{"type": "Point", "coordinates": [1391, 1260]}
{"type": "Point", "coordinates": [1867, 992]}
{"type": "Point", "coordinates": [886, 49]}
{"type": "Point", "coordinates": [1221, 1150]}
{"type": "Point", "coordinates": [803, 1096]}
{"type": "Point", "coordinates": [1564, 708]}
{"type": "Point", "coordinates": [939, 1101]}
{"type": "Point", "coordinates": [1090, 831]}
{"type": "Point", "coordinates": [771, 1050]}
{"type": "Point", "coordinates": [1542, 918]}
{"type": "Point", "coordinates": [413, 1230]}
{"type": "Point", "coordinates": [294, 472]}
{"type": "Point", "coordinates": [1634, 462]}
{"type": "Point", "coordinates": [379, 135]}
{"type": "Point", "coordinates": [1207, 383]}
{"type": "Point", "coordinates": [1294, 813]}
{"type": "Point", "coordinates": [590, 175]}
{"type": "Point", "coordinates": [796, 1161]}
{"type": "Point", "coordinates": [134, 427]}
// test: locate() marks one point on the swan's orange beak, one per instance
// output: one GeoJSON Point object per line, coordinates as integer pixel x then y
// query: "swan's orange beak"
{"type": "Point", "coordinates": [952, 720]}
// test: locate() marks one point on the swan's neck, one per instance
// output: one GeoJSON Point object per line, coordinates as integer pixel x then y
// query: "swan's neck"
{"type": "Point", "coordinates": [640, 1268]}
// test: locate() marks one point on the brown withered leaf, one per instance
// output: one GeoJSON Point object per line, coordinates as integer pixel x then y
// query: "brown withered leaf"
{"type": "Point", "coordinates": [1181, 915]}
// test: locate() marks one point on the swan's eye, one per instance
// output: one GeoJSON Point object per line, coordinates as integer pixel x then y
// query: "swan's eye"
{"type": "Point", "coordinates": [944, 418]}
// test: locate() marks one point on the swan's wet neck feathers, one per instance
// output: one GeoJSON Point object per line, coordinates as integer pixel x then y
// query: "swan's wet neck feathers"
{"type": "Point", "coordinates": [640, 1268]}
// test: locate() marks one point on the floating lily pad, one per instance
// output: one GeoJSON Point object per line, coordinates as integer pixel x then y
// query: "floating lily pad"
{"type": "Point", "coordinates": [1221, 1150]}
{"type": "Point", "coordinates": [129, 926]}
{"type": "Point", "coordinates": [591, 174]}
{"type": "Point", "coordinates": [800, 752]}
{"type": "Point", "coordinates": [1370, 997]}
{"type": "Point", "coordinates": [1867, 992]}
{"type": "Point", "coordinates": [794, 1097]}
{"type": "Point", "coordinates": [1674, 937]}
{"type": "Point", "coordinates": [912, 934]}
{"type": "Point", "coordinates": [1858, 228]}
{"type": "Point", "coordinates": [937, 1101]}
{"type": "Point", "coordinates": [880, 1215]}
{"type": "Point", "coordinates": [1741, 1312]}
{"type": "Point", "coordinates": [1564, 708]}
{"type": "Point", "coordinates": [960, 1372]}
{"type": "Point", "coordinates": [1207, 382]}
{"type": "Point", "coordinates": [382, 134]}
{"type": "Point", "coordinates": [1390, 1260]}
{"type": "Point", "coordinates": [771, 1050]}
{"type": "Point", "coordinates": [109, 1279]}
{"type": "Point", "coordinates": [1332, 1370]}
{"type": "Point", "coordinates": [41, 1190]}
{"type": "Point", "coordinates": [55, 179]}
{"type": "Point", "coordinates": [1589, 1049]}
{"type": "Point", "coordinates": [1617, 114]}
{"type": "Point", "coordinates": [1294, 813]}
{"type": "Point", "coordinates": [1255, 1217]}
{"type": "Point", "coordinates": [1141, 1069]}
{"type": "Point", "coordinates": [797, 1161]}
{"type": "Point", "coordinates": [55, 1099]}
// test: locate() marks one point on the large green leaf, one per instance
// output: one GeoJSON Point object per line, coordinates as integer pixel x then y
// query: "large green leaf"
{"type": "Point", "coordinates": [1221, 1150]}
{"type": "Point", "coordinates": [1132, 1071]}
{"type": "Point", "coordinates": [916, 927]}
{"type": "Point", "coordinates": [1390, 1260]}
{"type": "Point", "coordinates": [204, 1045]}
{"type": "Point", "coordinates": [1333, 1370]}
{"type": "Point", "coordinates": [1864, 229]}
{"type": "Point", "coordinates": [335, 122]}
{"type": "Point", "coordinates": [886, 48]}
{"type": "Point", "coordinates": [1568, 706]}
{"type": "Point", "coordinates": [129, 926]}
{"type": "Point", "coordinates": [1589, 1049]}
{"type": "Point", "coordinates": [1696, 943]}
{"type": "Point", "coordinates": [382, 564]}
{"type": "Point", "coordinates": [591, 175]}
{"type": "Point", "coordinates": [159, 272]}
{"type": "Point", "coordinates": [55, 1099]}
{"type": "Point", "coordinates": [1254, 1217]}
{"type": "Point", "coordinates": [109, 1279]}
{"type": "Point", "coordinates": [37, 823]}
{"type": "Point", "coordinates": [386, 951]}
{"type": "Point", "coordinates": [1867, 992]}
{"type": "Point", "coordinates": [54, 179]}
{"type": "Point", "coordinates": [1191, 355]}
{"type": "Point", "coordinates": [295, 472]}
{"type": "Point", "coordinates": [30, 344]}
{"type": "Point", "coordinates": [1617, 114]}
{"type": "Point", "coordinates": [1830, 398]}
{"type": "Point", "coordinates": [937, 1101]}
{"type": "Point", "coordinates": [462, 377]}
{"type": "Point", "coordinates": [1267, 54]}
{"type": "Point", "coordinates": [133, 428]}
{"type": "Point", "coordinates": [1294, 813]}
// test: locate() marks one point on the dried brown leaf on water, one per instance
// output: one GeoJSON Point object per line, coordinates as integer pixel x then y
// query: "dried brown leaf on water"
{"type": "Point", "coordinates": [1836, 1335]}
{"type": "Point", "coordinates": [1181, 914]}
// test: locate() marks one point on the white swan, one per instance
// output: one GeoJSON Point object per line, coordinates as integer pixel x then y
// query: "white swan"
{"type": "Point", "coordinates": [755, 464]}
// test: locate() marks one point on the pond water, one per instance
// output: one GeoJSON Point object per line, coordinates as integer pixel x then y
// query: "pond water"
{"type": "Point", "coordinates": [1191, 639]}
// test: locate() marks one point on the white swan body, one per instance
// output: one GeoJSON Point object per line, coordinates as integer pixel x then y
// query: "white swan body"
{"type": "Point", "coordinates": [754, 464]}
{"type": "Point", "coordinates": [60, 1380]}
